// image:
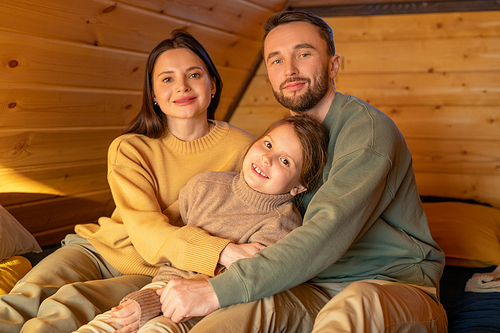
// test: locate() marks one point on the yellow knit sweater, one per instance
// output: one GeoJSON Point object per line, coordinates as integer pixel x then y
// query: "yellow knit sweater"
{"type": "Point", "coordinates": [145, 176]}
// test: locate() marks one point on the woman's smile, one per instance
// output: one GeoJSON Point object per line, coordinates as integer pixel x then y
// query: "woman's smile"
{"type": "Point", "coordinates": [185, 100]}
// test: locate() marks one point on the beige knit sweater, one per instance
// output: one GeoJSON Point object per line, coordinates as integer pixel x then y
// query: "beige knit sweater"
{"type": "Point", "coordinates": [222, 204]}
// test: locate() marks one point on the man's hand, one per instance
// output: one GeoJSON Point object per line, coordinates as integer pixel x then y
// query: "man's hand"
{"type": "Point", "coordinates": [128, 314]}
{"type": "Point", "coordinates": [234, 252]}
{"type": "Point", "coordinates": [183, 299]}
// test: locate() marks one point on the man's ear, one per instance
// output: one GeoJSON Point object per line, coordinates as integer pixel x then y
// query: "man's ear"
{"type": "Point", "coordinates": [297, 189]}
{"type": "Point", "coordinates": [334, 66]}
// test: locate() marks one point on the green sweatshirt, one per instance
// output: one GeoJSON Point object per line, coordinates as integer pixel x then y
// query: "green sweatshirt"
{"type": "Point", "coordinates": [365, 221]}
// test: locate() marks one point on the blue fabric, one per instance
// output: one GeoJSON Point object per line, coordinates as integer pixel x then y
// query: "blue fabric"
{"type": "Point", "coordinates": [467, 311]}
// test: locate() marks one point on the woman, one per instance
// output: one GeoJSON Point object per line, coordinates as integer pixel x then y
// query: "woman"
{"type": "Point", "coordinates": [173, 138]}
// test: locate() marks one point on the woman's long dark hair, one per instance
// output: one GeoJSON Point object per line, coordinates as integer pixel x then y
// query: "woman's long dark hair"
{"type": "Point", "coordinates": [151, 121]}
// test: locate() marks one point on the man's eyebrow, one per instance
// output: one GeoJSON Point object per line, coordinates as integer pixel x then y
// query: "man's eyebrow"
{"type": "Point", "coordinates": [297, 47]}
{"type": "Point", "coordinates": [272, 54]}
{"type": "Point", "coordinates": [304, 46]}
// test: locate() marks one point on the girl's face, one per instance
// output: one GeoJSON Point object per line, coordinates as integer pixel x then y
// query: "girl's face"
{"type": "Point", "coordinates": [272, 165]}
{"type": "Point", "coordinates": [181, 83]}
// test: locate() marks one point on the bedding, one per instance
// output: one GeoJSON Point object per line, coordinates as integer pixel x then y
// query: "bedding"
{"type": "Point", "coordinates": [15, 240]}
{"type": "Point", "coordinates": [469, 234]}
{"type": "Point", "coordinates": [11, 271]}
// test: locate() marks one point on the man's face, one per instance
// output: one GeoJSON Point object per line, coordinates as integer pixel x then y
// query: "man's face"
{"type": "Point", "coordinates": [298, 65]}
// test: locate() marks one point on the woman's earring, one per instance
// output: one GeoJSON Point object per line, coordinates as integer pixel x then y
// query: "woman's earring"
{"type": "Point", "coordinates": [155, 103]}
{"type": "Point", "coordinates": [213, 95]}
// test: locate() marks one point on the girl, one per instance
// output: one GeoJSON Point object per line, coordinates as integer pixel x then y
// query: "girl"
{"type": "Point", "coordinates": [173, 138]}
{"type": "Point", "coordinates": [252, 206]}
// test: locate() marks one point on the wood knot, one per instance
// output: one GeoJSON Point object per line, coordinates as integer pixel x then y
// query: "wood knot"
{"type": "Point", "coordinates": [12, 105]}
{"type": "Point", "coordinates": [13, 63]}
{"type": "Point", "coordinates": [110, 9]}
{"type": "Point", "coordinates": [21, 146]}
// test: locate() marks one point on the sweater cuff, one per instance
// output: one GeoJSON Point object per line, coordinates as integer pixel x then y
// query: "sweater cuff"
{"type": "Point", "coordinates": [229, 289]}
{"type": "Point", "coordinates": [204, 253]}
{"type": "Point", "coordinates": [149, 304]}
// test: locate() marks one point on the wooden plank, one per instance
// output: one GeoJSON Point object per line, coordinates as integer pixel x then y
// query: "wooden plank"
{"type": "Point", "coordinates": [255, 120]}
{"type": "Point", "coordinates": [435, 55]}
{"type": "Point", "coordinates": [259, 93]}
{"type": "Point", "coordinates": [60, 179]}
{"type": "Point", "coordinates": [457, 89]}
{"type": "Point", "coordinates": [232, 80]}
{"type": "Point", "coordinates": [274, 5]}
{"type": "Point", "coordinates": [413, 7]}
{"type": "Point", "coordinates": [416, 27]}
{"type": "Point", "coordinates": [236, 16]}
{"type": "Point", "coordinates": [23, 148]}
{"type": "Point", "coordinates": [39, 106]}
{"type": "Point", "coordinates": [483, 188]}
{"type": "Point", "coordinates": [314, 3]}
{"type": "Point", "coordinates": [454, 122]}
{"type": "Point", "coordinates": [54, 213]}
{"type": "Point", "coordinates": [101, 24]}
{"type": "Point", "coordinates": [54, 236]}
{"type": "Point", "coordinates": [9, 199]}
{"type": "Point", "coordinates": [43, 61]}
{"type": "Point", "coordinates": [455, 156]}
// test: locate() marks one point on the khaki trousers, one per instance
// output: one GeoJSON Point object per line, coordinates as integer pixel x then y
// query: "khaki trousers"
{"type": "Point", "coordinates": [363, 306]}
{"type": "Point", "coordinates": [65, 290]}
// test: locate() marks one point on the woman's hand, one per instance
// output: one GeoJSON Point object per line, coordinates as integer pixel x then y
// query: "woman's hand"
{"type": "Point", "coordinates": [233, 252]}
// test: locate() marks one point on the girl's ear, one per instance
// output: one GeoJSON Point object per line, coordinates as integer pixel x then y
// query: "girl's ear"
{"type": "Point", "coordinates": [297, 189]}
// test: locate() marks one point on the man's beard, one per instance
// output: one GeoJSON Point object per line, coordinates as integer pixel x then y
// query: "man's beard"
{"type": "Point", "coordinates": [307, 100]}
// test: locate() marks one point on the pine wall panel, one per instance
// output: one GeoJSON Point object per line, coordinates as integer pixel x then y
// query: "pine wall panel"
{"type": "Point", "coordinates": [436, 75]}
{"type": "Point", "coordinates": [71, 77]}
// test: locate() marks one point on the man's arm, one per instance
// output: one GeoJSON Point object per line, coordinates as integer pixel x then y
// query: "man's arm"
{"type": "Point", "coordinates": [340, 212]}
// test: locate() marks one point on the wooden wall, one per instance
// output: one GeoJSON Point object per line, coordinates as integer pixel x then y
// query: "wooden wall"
{"type": "Point", "coordinates": [71, 78]}
{"type": "Point", "coordinates": [437, 76]}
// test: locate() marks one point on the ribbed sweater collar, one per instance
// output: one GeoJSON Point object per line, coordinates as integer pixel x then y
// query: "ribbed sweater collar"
{"type": "Point", "coordinates": [259, 201]}
{"type": "Point", "coordinates": [204, 143]}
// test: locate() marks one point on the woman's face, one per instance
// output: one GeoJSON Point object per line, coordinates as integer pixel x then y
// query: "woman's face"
{"type": "Point", "coordinates": [272, 165]}
{"type": "Point", "coordinates": [181, 83]}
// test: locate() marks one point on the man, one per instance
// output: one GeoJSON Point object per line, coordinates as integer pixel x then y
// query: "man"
{"type": "Point", "coordinates": [364, 249]}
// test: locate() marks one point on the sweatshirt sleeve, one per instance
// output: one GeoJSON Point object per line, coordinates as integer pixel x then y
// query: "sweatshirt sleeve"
{"type": "Point", "coordinates": [339, 213]}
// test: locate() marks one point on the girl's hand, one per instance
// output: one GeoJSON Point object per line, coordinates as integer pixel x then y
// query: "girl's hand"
{"type": "Point", "coordinates": [233, 252]}
{"type": "Point", "coordinates": [128, 314]}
